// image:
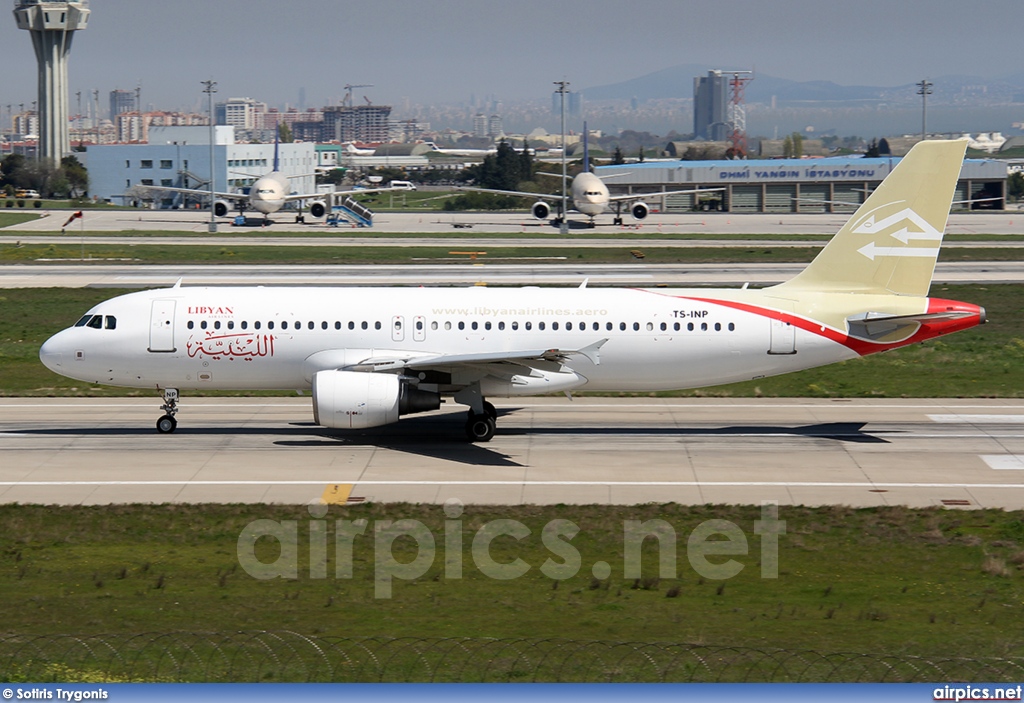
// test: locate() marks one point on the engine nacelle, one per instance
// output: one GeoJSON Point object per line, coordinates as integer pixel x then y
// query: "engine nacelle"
{"type": "Point", "coordinates": [541, 210]}
{"type": "Point", "coordinates": [355, 400]}
{"type": "Point", "coordinates": [639, 210]}
{"type": "Point", "coordinates": [221, 208]}
{"type": "Point", "coordinates": [317, 208]}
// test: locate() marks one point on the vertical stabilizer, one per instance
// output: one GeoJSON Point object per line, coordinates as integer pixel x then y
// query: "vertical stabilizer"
{"type": "Point", "coordinates": [277, 143]}
{"type": "Point", "coordinates": [586, 151]}
{"type": "Point", "coordinates": [891, 243]}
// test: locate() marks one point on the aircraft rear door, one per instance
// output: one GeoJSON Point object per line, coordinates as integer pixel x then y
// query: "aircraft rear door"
{"type": "Point", "coordinates": [161, 326]}
{"type": "Point", "coordinates": [397, 328]}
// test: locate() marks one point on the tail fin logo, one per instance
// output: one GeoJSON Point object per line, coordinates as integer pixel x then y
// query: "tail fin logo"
{"type": "Point", "coordinates": [905, 225]}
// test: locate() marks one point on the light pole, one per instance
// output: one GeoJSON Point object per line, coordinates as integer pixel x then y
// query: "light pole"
{"type": "Point", "coordinates": [563, 224]}
{"type": "Point", "coordinates": [924, 89]}
{"type": "Point", "coordinates": [211, 88]}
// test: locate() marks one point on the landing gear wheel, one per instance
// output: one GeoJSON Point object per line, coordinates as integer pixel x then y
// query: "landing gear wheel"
{"type": "Point", "coordinates": [617, 221]}
{"type": "Point", "coordinates": [490, 411]}
{"type": "Point", "coordinates": [480, 428]}
{"type": "Point", "coordinates": [166, 424]}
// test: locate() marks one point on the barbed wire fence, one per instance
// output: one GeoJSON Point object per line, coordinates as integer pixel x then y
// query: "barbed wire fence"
{"type": "Point", "coordinates": [282, 656]}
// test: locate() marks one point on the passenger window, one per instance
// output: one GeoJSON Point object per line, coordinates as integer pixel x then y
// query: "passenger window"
{"type": "Point", "coordinates": [351, 325]}
{"type": "Point", "coordinates": [703, 327]}
{"type": "Point", "coordinates": [732, 327]}
{"type": "Point", "coordinates": [111, 322]}
{"type": "Point", "coordinates": [689, 326]}
{"type": "Point", "coordinates": [191, 324]}
{"type": "Point", "coordinates": [433, 325]}
{"type": "Point", "coordinates": [448, 325]}
{"type": "Point", "coordinates": [676, 327]}
{"type": "Point", "coordinates": [650, 326]}
{"type": "Point", "coordinates": [663, 327]}
{"type": "Point", "coordinates": [284, 324]}
{"type": "Point", "coordinates": [245, 325]}
{"type": "Point", "coordinates": [597, 326]}
{"type": "Point", "coordinates": [608, 326]}
{"type": "Point", "coordinates": [231, 324]}
{"type": "Point", "coordinates": [501, 325]}
{"type": "Point", "coordinates": [528, 326]}
{"type": "Point", "coordinates": [718, 327]}
{"type": "Point", "coordinates": [487, 325]}
{"type": "Point", "coordinates": [473, 325]}
{"type": "Point", "coordinates": [622, 326]}
{"type": "Point", "coordinates": [337, 325]}
{"type": "Point", "coordinates": [216, 325]}
{"type": "Point", "coordinates": [256, 325]}
{"type": "Point", "coordinates": [554, 326]}
{"type": "Point", "coordinates": [462, 325]}
{"type": "Point", "coordinates": [515, 325]}
{"type": "Point", "coordinates": [365, 325]}
{"type": "Point", "coordinates": [568, 326]}
{"type": "Point", "coordinates": [636, 326]}
{"type": "Point", "coordinates": [311, 325]}
{"type": "Point", "coordinates": [419, 324]}
{"type": "Point", "coordinates": [376, 325]}
{"type": "Point", "coordinates": [270, 325]}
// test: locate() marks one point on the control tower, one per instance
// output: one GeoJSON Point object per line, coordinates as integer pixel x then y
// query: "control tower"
{"type": "Point", "coordinates": [53, 25]}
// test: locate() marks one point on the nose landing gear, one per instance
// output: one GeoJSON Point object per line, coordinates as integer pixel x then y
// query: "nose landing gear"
{"type": "Point", "coordinates": [167, 424]}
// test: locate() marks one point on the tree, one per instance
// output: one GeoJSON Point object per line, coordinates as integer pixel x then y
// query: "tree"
{"type": "Point", "coordinates": [617, 157]}
{"type": "Point", "coordinates": [798, 145]}
{"type": "Point", "coordinates": [75, 175]}
{"type": "Point", "coordinates": [787, 147]}
{"type": "Point", "coordinates": [883, 147]}
{"type": "Point", "coordinates": [640, 156]}
{"type": "Point", "coordinates": [335, 176]}
{"type": "Point", "coordinates": [872, 151]}
{"type": "Point", "coordinates": [1015, 185]}
{"type": "Point", "coordinates": [11, 169]}
{"type": "Point", "coordinates": [285, 133]}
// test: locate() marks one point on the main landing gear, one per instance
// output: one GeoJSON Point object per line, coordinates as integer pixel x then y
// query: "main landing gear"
{"type": "Point", "coordinates": [480, 427]}
{"type": "Point", "coordinates": [167, 424]}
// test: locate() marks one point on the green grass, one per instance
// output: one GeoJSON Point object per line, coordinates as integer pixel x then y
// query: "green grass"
{"type": "Point", "coordinates": [146, 253]}
{"type": "Point", "coordinates": [8, 219]}
{"type": "Point", "coordinates": [883, 580]}
{"type": "Point", "coordinates": [986, 361]}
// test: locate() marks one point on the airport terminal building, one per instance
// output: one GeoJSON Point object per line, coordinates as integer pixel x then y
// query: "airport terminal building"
{"type": "Point", "coordinates": [834, 184]}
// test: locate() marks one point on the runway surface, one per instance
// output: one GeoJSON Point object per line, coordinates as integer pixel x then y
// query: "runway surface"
{"type": "Point", "coordinates": [957, 453]}
{"type": "Point", "coordinates": [472, 223]}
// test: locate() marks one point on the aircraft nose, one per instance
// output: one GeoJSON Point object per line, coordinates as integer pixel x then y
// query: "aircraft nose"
{"type": "Point", "coordinates": [51, 356]}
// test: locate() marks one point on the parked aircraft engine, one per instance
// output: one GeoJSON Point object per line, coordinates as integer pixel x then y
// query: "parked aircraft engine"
{"type": "Point", "coordinates": [221, 208]}
{"type": "Point", "coordinates": [357, 400]}
{"type": "Point", "coordinates": [541, 210]}
{"type": "Point", "coordinates": [317, 208]}
{"type": "Point", "coordinates": [639, 210]}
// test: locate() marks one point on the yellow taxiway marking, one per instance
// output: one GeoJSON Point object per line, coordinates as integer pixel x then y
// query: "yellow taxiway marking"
{"type": "Point", "coordinates": [336, 493]}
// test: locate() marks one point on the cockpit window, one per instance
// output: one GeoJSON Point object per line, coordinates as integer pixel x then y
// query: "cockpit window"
{"type": "Point", "coordinates": [111, 322]}
{"type": "Point", "coordinates": [96, 322]}
{"type": "Point", "coordinates": [81, 323]}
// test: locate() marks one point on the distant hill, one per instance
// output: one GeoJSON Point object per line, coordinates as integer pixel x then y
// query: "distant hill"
{"type": "Point", "coordinates": [677, 82]}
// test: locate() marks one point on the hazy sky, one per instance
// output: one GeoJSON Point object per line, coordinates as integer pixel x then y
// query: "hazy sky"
{"type": "Point", "coordinates": [446, 50]}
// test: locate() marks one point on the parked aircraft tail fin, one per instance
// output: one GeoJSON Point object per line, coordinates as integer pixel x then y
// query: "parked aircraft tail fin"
{"type": "Point", "coordinates": [891, 243]}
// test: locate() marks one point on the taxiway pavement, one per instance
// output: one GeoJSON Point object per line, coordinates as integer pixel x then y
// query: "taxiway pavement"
{"type": "Point", "coordinates": [956, 453]}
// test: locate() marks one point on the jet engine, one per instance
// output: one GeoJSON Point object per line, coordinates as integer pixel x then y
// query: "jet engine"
{"type": "Point", "coordinates": [221, 208]}
{"type": "Point", "coordinates": [541, 210]}
{"type": "Point", "coordinates": [355, 400]}
{"type": "Point", "coordinates": [639, 210]}
{"type": "Point", "coordinates": [317, 208]}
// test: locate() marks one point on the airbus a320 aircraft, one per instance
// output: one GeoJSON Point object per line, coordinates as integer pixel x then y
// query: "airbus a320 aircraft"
{"type": "Point", "coordinates": [590, 196]}
{"type": "Point", "coordinates": [373, 355]}
{"type": "Point", "coordinates": [268, 194]}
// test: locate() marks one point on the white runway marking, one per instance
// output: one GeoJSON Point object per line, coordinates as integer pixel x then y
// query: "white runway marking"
{"type": "Point", "coordinates": [1004, 462]}
{"type": "Point", "coordinates": [986, 419]}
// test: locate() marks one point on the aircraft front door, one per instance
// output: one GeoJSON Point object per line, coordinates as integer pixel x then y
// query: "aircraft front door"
{"type": "Point", "coordinates": [161, 326]}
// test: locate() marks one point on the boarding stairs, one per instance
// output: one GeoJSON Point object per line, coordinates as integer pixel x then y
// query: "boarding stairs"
{"type": "Point", "coordinates": [350, 211]}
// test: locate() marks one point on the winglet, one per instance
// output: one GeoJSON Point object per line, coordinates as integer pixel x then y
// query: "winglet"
{"type": "Point", "coordinates": [592, 351]}
{"type": "Point", "coordinates": [177, 284]}
{"type": "Point", "coordinates": [584, 284]}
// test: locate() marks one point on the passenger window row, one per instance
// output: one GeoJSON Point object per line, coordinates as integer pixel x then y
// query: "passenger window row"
{"type": "Point", "coordinates": [460, 325]}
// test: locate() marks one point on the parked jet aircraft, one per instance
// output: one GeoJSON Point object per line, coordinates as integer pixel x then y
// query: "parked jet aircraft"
{"type": "Point", "coordinates": [269, 194]}
{"type": "Point", "coordinates": [590, 196]}
{"type": "Point", "coordinates": [373, 355]}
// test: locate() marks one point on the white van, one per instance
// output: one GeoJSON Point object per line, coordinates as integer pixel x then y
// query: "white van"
{"type": "Point", "coordinates": [402, 185]}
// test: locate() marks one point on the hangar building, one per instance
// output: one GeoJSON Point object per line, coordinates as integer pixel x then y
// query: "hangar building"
{"type": "Point", "coordinates": [834, 184]}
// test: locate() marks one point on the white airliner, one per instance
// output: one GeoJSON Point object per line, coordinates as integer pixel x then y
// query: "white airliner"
{"type": "Point", "coordinates": [589, 195]}
{"type": "Point", "coordinates": [268, 195]}
{"type": "Point", "coordinates": [371, 355]}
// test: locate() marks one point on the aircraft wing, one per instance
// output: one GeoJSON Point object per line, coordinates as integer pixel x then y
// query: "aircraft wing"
{"type": "Point", "coordinates": [418, 360]}
{"type": "Point", "coordinates": [340, 193]}
{"type": "Point", "coordinates": [659, 194]}
{"type": "Point", "coordinates": [196, 191]}
{"type": "Point", "coordinates": [520, 193]}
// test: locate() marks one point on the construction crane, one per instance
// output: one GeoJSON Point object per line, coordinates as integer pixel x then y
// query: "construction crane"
{"type": "Point", "coordinates": [347, 100]}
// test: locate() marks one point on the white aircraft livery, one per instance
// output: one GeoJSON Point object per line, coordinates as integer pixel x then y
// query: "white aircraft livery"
{"type": "Point", "coordinates": [371, 355]}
